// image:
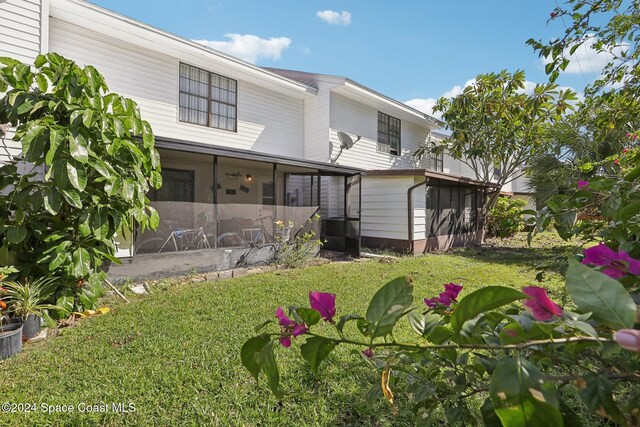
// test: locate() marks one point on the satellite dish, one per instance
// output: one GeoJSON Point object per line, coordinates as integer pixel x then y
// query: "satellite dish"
{"type": "Point", "coordinates": [345, 143]}
{"type": "Point", "coordinates": [345, 139]}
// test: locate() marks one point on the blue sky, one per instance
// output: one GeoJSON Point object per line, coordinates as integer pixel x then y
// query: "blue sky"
{"type": "Point", "coordinates": [411, 50]}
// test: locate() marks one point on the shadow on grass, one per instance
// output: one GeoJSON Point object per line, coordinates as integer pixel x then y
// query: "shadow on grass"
{"type": "Point", "coordinates": [546, 254]}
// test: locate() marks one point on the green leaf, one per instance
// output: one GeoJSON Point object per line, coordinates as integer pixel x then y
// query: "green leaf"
{"type": "Point", "coordinates": [128, 190]}
{"type": "Point", "coordinates": [77, 175]}
{"type": "Point", "coordinates": [15, 234]}
{"type": "Point", "coordinates": [489, 416]}
{"type": "Point", "coordinates": [100, 225]}
{"type": "Point", "coordinates": [72, 197]}
{"type": "Point", "coordinates": [78, 147]}
{"type": "Point", "coordinates": [250, 354]}
{"type": "Point", "coordinates": [344, 319]}
{"type": "Point", "coordinates": [598, 396]}
{"type": "Point", "coordinates": [593, 291]}
{"type": "Point", "coordinates": [81, 263]}
{"type": "Point", "coordinates": [629, 210]}
{"type": "Point", "coordinates": [582, 326]}
{"type": "Point", "coordinates": [33, 143]}
{"type": "Point", "coordinates": [52, 201]}
{"type": "Point", "coordinates": [56, 137]}
{"type": "Point", "coordinates": [521, 398]}
{"type": "Point", "coordinates": [388, 305]}
{"type": "Point", "coordinates": [315, 350]}
{"type": "Point", "coordinates": [270, 368]}
{"type": "Point", "coordinates": [154, 218]}
{"type": "Point", "coordinates": [100, 167]}
{"type": "Point", "coordinates": [423, 324]}
{"type": "Point", "coordinates": [308, 316]}
{"type": "Point", "coordinates": [439, 334]}
{"type": "Point", "coordinates": [483, 300]}
{"type": "Point", "coordinates": [59, 259]}
{"type": "Point", "coordinates": [42, 82]}
{"type": "Point", "coordinates": [64, 302]}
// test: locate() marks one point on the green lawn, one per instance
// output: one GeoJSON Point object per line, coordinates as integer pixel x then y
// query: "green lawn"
{"type": "Point", "coordinates": [174, 354]}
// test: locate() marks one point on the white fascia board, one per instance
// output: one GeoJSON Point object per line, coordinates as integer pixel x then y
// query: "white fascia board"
{"type": "Point", "coordinates": [120, 27]}
{"type": "Point", "coordinates": [368, 96]}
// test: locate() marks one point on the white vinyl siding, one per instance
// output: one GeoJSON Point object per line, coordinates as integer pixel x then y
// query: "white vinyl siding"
{"type": "Point", "coordinates": [22, 37]}
{"type": "Point", "coordinates": [384, 206]}
{"type": "Point", "coordinates": [355, 118]}
{"type": "Point", "coordinates": [316, 127]}
{"type": "Point", "coordinates": [267, 121]}
{"type": "Point", "coordinates": [20, 29]}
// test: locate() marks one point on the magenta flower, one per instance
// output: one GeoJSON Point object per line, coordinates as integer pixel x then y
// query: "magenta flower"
{"type": "Point", "coordinates": [368, 353]}
{"type": "Point", "coordinates": [452, 290]}
{"type": "Point", "coordinates": [582, 184]}
{"type": "Point", "coordinates": [324, 303]}
{"type": "Point", "coordinates": [450, 295]}
{"type": "Point", "coordinates": [539, 304]}
{"type": "Point", "coordinates": [618, 263]}
{"type": "Point", "coordinates": [288, 328]}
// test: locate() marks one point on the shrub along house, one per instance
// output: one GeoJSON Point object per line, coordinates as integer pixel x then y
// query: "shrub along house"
{"type": "Point", "coordinates": [246, 151]}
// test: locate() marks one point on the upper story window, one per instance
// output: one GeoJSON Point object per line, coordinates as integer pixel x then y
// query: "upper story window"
{"type": "Point", "coordinates": [436, 161]}
{"type": "Point", "coordinates": [388, 134]}
{"type": "Point", "coordinates": [208, 99]}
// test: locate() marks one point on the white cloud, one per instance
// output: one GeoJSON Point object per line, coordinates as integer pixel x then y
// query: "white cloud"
{"type": "Point", "coordinates": [424, 104]}
{"type": "Point", "coordinates": [587, 60]}
{"type": "Point", "coordinates": [334, 18]}
{"type": "Point", "coordinates": [250, 47]}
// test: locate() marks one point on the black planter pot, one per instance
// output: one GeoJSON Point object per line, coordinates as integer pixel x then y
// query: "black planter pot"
{"type": "Point", "coordinates": [10, 340]}
{"type": "Point", "coordinates": [31, 326]}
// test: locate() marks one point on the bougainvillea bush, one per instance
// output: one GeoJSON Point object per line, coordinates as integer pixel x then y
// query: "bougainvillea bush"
{"type": "Point", "coordinates": [514, 350]}
{"type": "Point", "coordinates": [499, 356]}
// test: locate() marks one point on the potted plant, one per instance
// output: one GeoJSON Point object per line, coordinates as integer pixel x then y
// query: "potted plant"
{"type": "Point", "coordinates": [26, 302]}
{"type": "Point", "coordinates": [11, 334]}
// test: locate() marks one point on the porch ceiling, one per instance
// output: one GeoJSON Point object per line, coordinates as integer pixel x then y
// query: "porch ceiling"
{"type": "Point", "coordinates": [195, 147]}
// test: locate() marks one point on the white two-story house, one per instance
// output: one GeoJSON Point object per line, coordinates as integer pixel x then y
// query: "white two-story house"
{"type": "Point", "coordinates": [250, 154]}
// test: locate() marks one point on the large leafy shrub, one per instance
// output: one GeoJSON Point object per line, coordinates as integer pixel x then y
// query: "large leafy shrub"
{"type": "Point", "coordinates": [88, 161]}
{"type": "Point", "coordinates": [506, 218]}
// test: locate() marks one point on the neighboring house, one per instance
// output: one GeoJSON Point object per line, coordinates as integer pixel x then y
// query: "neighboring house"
{"type": "Point", "coordinates": [244, 147]}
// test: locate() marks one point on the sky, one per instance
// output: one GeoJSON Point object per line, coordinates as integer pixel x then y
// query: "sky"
{"type": "Point", "coordinates": [411, 50]}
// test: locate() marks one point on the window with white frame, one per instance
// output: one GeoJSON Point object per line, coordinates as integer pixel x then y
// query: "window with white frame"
{"type": "Point", "coordinates": [388, 134]}
{"type": "Point", "coordinates": [208, 99]}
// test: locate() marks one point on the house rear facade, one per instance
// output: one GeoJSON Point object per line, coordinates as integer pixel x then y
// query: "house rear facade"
{"type": "Point", "coordinates": [249, 153]}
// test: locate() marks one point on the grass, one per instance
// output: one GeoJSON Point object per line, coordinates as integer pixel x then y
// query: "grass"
{"type": "Point", "coordinates": [174, 354]}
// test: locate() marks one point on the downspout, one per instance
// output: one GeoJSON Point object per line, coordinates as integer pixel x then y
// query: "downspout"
{"type": "Point", "coordinates": [410, 212]}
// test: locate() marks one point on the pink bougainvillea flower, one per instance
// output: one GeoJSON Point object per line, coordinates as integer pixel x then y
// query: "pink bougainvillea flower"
{"type": "Point", "coordinates": [539, 304]}
{"type": "Point", "coordinates": [432, 302]}
{"type": "Point", "coordinates": [582, 184]}
{"type": "Point", "coordinates": [452, 290]}
{"type": "Point", "coordinates": [450, 295]}
{"type": "Point", "coordinates": [288, 328]}
{"type": "Point", "coordinates": [618, 263]}
{"type": "Point", "coordinates": [616, 161]}
{"type": "Point", "coordinates": [325, 303]}
{"type": "Point", "coordinates": [368, 353]}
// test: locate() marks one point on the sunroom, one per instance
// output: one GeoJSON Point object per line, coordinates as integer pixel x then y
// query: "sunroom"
{"type": "Point", "coordinates": [222, 208]}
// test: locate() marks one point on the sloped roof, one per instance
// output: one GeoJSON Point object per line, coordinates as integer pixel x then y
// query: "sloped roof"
{"type": "Point", "coordinates": [313, 80]}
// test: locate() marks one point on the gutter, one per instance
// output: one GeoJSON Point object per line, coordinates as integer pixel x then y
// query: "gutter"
{"type": "Point", "coordinates": [410, 211]}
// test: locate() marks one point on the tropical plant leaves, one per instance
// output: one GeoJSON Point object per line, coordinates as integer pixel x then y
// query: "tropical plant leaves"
{"type": "Point", "coordinates": [388, 305]}
{"type": "Point", "coordinates": [483, 300]}
{"type": "Point", "coordinates": [595, 292]}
